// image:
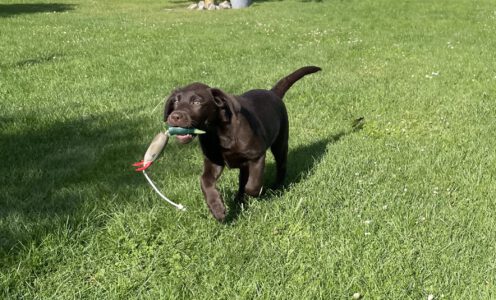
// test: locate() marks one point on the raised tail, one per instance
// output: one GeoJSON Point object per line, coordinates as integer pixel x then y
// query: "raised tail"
{"type": "Point", "coordinates": [284, 84]}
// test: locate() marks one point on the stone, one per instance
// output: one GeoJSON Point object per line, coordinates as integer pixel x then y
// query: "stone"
{"type": "Point", "coordinates": [210, 5]}
{"type": "Point", "coordinates": [225, 5]}
{"type": "Point", "coordinates": [193, 6]}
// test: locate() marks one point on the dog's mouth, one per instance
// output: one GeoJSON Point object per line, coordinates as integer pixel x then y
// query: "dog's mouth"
{"type": "Point", "coordinates": [184, 131]}
{"type": "Point", "coordinates": [185, 138]}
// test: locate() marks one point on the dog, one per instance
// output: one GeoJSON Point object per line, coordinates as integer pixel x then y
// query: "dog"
{"type": "Point", "coordinates": [239, 131]}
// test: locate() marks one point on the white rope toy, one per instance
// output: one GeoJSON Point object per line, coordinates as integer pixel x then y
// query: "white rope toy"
{"type": "Point", "coordinates": [178, 206]}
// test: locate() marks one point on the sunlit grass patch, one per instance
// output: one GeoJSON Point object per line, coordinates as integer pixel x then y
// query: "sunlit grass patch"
{"type": "Point", "coordinates": [403, 208]}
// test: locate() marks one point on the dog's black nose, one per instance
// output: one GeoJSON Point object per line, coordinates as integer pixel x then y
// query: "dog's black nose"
{"type": "Point", "coordinates": [175, 116]}
{"type": "Point", "coordinates": [178, 118]}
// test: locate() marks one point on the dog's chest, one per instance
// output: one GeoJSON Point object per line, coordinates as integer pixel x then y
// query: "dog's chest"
{"type": "Point", "coordinates": [233, 159]}
{"type": "Point", "coordinates": [239, 154]}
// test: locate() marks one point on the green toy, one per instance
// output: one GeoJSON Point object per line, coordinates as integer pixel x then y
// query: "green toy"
{"type": "Point", "coordinates": [183, 131]}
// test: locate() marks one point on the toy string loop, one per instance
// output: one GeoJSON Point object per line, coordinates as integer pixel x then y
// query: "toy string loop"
{"type": "Point", "coordinates": [178, 206]}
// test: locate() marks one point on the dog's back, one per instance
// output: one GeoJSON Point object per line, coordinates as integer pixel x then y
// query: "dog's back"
{"type": "Point", "coordinates": [265, 110]}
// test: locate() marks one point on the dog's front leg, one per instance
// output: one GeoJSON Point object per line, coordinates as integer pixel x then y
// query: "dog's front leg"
{"type": "Point", "coordinates": [253, 184]}
{"type": "Point", "coordinates": [211, 172]}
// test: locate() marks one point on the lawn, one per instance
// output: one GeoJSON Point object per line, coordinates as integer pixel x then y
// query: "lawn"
{"type": "Point", "coordinates": [402, 209]}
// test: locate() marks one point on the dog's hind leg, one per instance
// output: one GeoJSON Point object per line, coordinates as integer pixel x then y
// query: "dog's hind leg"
{"type": "Point", "coordinates": [280, 151]}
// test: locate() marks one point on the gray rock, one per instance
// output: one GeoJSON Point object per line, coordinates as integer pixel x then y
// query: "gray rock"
{"type": "Point", "coordinates": [193, 6]}
{"type": "Point", "coordinates": [201, 5]}
{"type": "Point", "coordinates": [225, 5]}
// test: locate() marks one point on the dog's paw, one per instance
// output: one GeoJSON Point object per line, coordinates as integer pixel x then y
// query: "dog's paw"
{"type": "Point", "coordinates": [218, 211]}
{"type": "Point", "coordinates": [220, 216]}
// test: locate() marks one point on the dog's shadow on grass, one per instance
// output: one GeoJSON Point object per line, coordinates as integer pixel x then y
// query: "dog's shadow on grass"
{"type": "Point", "coordinates": [301, 164]}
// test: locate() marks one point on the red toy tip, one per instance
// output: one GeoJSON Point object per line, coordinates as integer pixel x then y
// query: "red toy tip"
{"type": "Point", "coordinates": [144, 167]}
{"type": "Point", "coordinates": [138, 164]}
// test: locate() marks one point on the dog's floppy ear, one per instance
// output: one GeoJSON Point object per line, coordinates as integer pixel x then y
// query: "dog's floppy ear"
{"type": "Point", "coordinates": [169, 106]}
{"type": "Point", "coordinates": [229, 106]}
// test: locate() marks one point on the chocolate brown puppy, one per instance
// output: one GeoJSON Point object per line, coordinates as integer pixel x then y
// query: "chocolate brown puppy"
{"type": "Point", "coordinates": [239, 129]}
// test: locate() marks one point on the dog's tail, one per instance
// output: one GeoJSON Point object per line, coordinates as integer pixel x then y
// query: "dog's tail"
{"type": "Point", "coordinates": [284, 84]}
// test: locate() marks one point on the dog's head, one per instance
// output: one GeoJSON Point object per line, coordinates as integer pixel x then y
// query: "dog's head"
{"type": "Point", "coordinates": [199, 106]}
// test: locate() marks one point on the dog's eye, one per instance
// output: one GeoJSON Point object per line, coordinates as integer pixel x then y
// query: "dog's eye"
{"type": "Point", "coordinates": [196, 101]}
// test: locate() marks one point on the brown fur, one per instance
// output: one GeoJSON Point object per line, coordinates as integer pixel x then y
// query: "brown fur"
{"type": "Point", "coordinates": [239, 129]}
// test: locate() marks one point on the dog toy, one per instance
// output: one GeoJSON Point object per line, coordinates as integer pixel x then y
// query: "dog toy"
{"type": "Point", "coordinates": [155, 149]}
{"type": "Point", "coordinates": [181, 131]}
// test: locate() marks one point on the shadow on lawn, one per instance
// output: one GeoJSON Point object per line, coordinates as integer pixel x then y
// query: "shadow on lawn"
{"type": "Point", "coordinates": [42, 59]}
{"type": "Point", "coordinates": [33, 61]}
{"type": "Point", "coordinates": [301, 163]}
{"type": "Point", "coordinates": [9, 10]}
{"type": "Point", "coordinates": [51, 177]}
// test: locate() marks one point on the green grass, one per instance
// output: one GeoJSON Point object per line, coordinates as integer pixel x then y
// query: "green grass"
{"type": "Point", "coordinates": [401, 209]}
